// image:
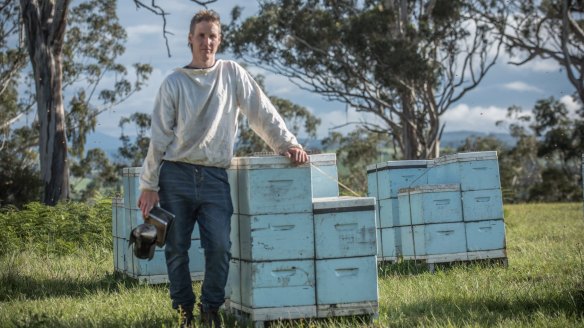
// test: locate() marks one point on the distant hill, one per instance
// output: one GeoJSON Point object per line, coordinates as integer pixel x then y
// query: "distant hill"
{"type": "Point", "coordinates": [104, 142]}
{"type": "Point", "coordinates": [455, 139]}
{"type": "Point", "coordinates": [110, 144]}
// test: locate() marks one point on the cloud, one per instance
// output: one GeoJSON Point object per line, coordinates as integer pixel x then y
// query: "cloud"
{"type": "Point", "coordinates": [521, 86]}
{"type": "Point", "coordinates": [571, 105]}
{"type": "Point", "coordinates": [480, 119]}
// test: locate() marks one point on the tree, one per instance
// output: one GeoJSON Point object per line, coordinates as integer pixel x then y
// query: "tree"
{"type": "Point", "coordinates": [93, 43]}
{"type": "Point", "coordinates": [546, 161]}
{"type": "Point", "coordinates": [405, 62]}
{"type": "Point", "coordinates": [45, 23]}
{"type": "Point", "coordinates": [547, 29]}
{"type": "Point", "coordinates": [355, 151]}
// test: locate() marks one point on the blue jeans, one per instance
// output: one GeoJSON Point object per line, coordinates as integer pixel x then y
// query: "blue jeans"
{"type": "Point", "coordinates": [195, 193]}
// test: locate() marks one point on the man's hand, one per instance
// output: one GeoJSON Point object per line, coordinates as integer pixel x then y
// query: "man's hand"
{"type": "Point", "coordinates": [148, 199]}
{"type": "Point", "coordinates": [297, 155]}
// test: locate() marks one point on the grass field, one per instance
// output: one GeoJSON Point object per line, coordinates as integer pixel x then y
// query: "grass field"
{"type": "Point", "coordinates": [543, 285]}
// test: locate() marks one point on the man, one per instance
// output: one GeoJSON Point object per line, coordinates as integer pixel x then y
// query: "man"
{"type": "Point", "coordinates": [194, 124]}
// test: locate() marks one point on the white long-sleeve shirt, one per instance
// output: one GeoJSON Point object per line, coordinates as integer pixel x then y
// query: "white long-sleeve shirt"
{"type": "Point", "coordinates": [195, 118]}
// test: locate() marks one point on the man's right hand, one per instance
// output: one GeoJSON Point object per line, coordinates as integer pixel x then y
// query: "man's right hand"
{"type": "Point", "coordinates": [148, 199]}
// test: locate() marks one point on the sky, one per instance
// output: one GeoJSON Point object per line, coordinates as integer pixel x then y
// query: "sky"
{"type": "Point", "coordinates": [504, 86]}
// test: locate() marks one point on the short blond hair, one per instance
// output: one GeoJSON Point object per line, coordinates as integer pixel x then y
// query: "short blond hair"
{"type": "Point", "coordinates": [205, 16]}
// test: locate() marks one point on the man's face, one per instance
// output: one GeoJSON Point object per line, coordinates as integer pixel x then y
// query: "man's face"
{"type": "Point", "coordinates": [205, 41]}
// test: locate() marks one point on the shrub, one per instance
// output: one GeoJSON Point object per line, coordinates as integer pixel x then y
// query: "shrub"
{"type": "Point", "coordinates": [59, 230]}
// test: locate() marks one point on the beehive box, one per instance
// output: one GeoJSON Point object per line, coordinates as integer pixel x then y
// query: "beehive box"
{"type": "Point", "coordinates": [479, 205]}
{"type": "Point", "coordinates": [395, 175]}
{"type": "Point", "coordinates": [324, 175]}
{"type": "Point", "coordinates": [473, 170]}
{"type": "Point", "coordinates": [154, 271]}
{"type": "Point", "coordinates": [127, 218]}
{"type": "Point", "coordinates": [439, 239]}
{"type": "Point", "coordinates": [270, 185]}
{"type": "Point", "coordinates": [485, 235]}
{"type": "Point", "coordinates": [346, 283]}
{"type": "Point", "coordinates": [277, 284]}
{"type": "Point", "coordinates": [398, 242]}
{"type": "Point", "coordinates": [430, 204]}
{"type": "Point", "coordinates": [276, 237]}
{"type": "Point", "coordinates": [344, 227]}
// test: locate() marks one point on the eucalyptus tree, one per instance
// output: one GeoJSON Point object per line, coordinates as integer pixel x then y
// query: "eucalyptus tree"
{"type": "Point", "coordinates": [404, 62]}
{"type": "Point", "coordinates": [79, 59]}
{"type": "Point", "coordinates": [545, 29]}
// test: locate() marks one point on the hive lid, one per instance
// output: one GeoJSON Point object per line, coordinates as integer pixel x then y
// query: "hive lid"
{"type": "Point", "coordinates": [429, 188]}
{"type": "Point", "coordinates": [405, 164]}
{"type": "Point", "coordinates": [131, 170]}
{"type": "Point", "coordinates": [466, 157]}
{"type": "Point", "coordinates": [323, 159]}
{"type": "Point", "coordinates": [343, 204]}
{"type": "Point", "coordinates": [266, 162]}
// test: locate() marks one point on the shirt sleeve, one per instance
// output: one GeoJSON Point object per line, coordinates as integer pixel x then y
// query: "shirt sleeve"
{"type": "Point", "coordinates": [263, 117]}
{"type": "Point", "coordinates": [161, 135]}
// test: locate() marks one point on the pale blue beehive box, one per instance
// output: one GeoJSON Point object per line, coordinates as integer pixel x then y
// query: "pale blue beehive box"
{"type": "Point", "coordinates": [440, 238]}
{"type": "Point", "coordinates": [478, 205]}
{"type": "Point", "coordinates": [276, 236]}
{"type": "Point", "coordinates": [234, 237]}
{"type": "Point", "coordinates": [389, 214]}
{"type": "Point", "coordinates": [485, 235]}
{"type": "Point", "coordinates": [372, 190]}
{"type": "Point", "coordinates": [397, 242]}
{"type": "Point", "coordinates": [233, 184]}
{"type": "Point", "coordinates": [344, 227]}
{"type": "Point", "coordinates": [277, 284]}
{"type": "Point", "coordinates": [131, 184]}
{"type": "Point", "coordinates": [346, 280]}
{"type": "Point", "coordinates": [395, 175]}
{"type": "Point", "coordinates": [118, 233]}
{"type": "Point", "coordinates": [473, 170]}
{"type": "Point", "coordinates": [233, 287]}
{"type": "Point", "coordinates": [324, 175]}
{"type": "Point", "coordinates": [154, 271]}
{"type": "Point", "coordinates": [270, 185]}
{"type": "Point", "coordinates": [430, 204]}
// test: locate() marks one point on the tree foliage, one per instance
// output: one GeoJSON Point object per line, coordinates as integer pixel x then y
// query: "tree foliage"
{"type": "Point", "coordinates": [299, 120]}
{"type": "Point", "coordinates": [547, 29]}
{"type": "Point", "coordinates": [404, 62]}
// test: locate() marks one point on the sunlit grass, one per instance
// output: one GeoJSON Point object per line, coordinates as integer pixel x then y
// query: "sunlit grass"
{"type": "Point", "coordinates": [542, 286]}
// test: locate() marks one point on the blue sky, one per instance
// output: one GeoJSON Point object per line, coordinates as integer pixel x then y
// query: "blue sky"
{"type": "Point", "coordinates": [505, 85]}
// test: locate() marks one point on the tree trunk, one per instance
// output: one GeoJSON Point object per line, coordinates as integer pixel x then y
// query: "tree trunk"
{"type": "Point", "coordinates": [45, 22]}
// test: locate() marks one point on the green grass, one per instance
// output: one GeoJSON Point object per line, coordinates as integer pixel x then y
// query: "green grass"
{"type": "Point", "coordinates": [542, 286]}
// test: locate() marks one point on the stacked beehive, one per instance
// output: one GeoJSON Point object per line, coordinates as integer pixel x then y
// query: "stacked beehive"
{"type": "Point", "coordinates": [126, 216]}
{"type": "Point", "coordinates": [292, 259]}
{"type": "Point", "coordinates": [456, 214]}
{"type": "Point", "coordinates": [384, 182]}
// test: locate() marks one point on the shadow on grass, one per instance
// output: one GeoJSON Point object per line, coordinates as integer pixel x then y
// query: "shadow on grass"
{"type": "Point", "coordinates": [411, 267]}
{"type": "Point", "coordinates": [493, 312]}
{"type": "Point", "coordinates": [13, 286]}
